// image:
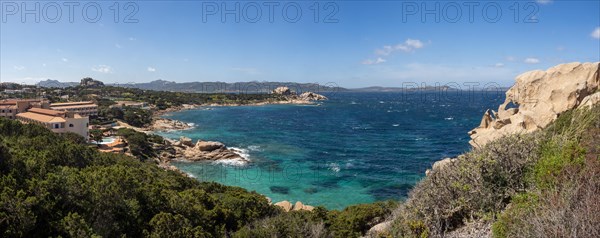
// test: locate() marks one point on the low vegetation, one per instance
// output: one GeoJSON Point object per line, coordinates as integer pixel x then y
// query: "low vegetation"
{"type": "Point", "coordinates": [543, 184]}
{"type": "Point", "coordinates": [56, 185]}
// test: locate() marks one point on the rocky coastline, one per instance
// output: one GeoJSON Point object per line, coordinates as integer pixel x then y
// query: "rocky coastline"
{"type": "Point", "coordinates": [538, 98]}
{"type": "Point", "coordinates": [534, 101]}
{"type": "Point", "coordinates": [186, 150]}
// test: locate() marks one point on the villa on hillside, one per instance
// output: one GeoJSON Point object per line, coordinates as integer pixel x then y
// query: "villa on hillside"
{"type": "Point", "coordinates": [10, 108]}
{"type": "Point", "coordinates": [56, 121]}
{"type": "Point", "coordinates": [58, 117]}
{"type": "Point", "coordinates": [85, 109]}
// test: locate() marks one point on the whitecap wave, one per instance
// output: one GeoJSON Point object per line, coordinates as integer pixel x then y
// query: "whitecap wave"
{"type": "Point", "coordinates": [449, 118]}
{"type": "Point", "coordinates": [395, 125]}
{"type": "Point", "coordinates": [244, 153]}
{"type": "Point", "coordinates": [190, 175]}
{"type": "Point", "coordinates": [232, 162]}
{"type": "Point", "coordinates": [254, 148]}
{"type": "Point", "coordinates": [335, 167]}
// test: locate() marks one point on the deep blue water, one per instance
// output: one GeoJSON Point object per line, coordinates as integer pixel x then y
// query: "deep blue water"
{"type": "Point", "coordinates": [354, 148]}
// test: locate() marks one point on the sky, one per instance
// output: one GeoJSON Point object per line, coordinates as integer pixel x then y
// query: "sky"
{"type": "Point", "coordinates": [348, 43]}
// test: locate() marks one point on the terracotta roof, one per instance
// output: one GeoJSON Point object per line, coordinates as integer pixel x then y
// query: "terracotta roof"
{"type": "Point", "coordinates": [40, 117]}
{"type": "Point", "coordinates": [46, 112]}
{"type": "Point", "coordinates": [14, 101]}
{"type": "Point", "coordinates": [8, 106]}
{"type": "Point", "coordinates": [74, 106]}
{"type": "Point", "coordinates": [70, 104]}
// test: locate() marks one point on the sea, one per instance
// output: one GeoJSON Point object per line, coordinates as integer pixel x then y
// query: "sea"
{"type": "Point", "coordinates": [354, 148]}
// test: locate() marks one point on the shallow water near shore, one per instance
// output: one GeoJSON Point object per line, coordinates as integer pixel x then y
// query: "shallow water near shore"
{"type": "Point", "coordinates": [354, 148]}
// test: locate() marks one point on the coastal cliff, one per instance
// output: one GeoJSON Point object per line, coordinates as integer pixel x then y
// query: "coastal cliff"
{"type": "Point", "coordinates": [538, 98]}
{"type": "Point", "coordinates": [534, 170]}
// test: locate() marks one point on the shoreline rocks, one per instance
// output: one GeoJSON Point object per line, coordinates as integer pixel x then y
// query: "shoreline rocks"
{"type": "Point", "coordinates": [184, 149]}
{"type": "Point", "coordinates": [165, 124]}
{"type": "Point", "coordinates": [298, 206]}
{"type": "Point", "coordinates": [538, 98]}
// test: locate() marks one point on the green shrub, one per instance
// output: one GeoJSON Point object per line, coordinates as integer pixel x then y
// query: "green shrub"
{"type": "Point", "coordinates": [479, 183]}
{"type": "Point", "coordinates": [51, 186]}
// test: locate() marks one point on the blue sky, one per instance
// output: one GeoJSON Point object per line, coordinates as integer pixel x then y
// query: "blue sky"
{"type": "Point", "coordinates": [363, 43]}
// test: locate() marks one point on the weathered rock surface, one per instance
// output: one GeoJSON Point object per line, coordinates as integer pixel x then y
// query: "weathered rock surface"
{"type": "Point", "coordinates": [439, 165]}
{"type": "Point", "coordinates": [291, 96]}
{"type": "Point", "coordinates": [186, 141]}
{"type": "Point", "coordinates": [310, 96]}
{"type": "Point", "coordinates": [591, 100]}
{"type": "Point", "coordinates": [209, 145]}
{"type": "Point", "coordinates": [379, 228]}
{"type": "Point", "coordinates": [165, 124]}
{"type": "Point", "coordinates": [201, 151]}
{"type": "Point", "coordinates": [537, 98]}
{"type": "Point", "coordinates": [210, 150]}
{"type": "Point", "coordinates": [287, 206]}
{"type": "Point", "coordinates": [282, 91]}
{"type": "Point", "coordinates": [299, 207]}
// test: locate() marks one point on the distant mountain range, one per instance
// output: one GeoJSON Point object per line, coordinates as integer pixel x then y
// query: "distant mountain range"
{"type": "Point", "coordinates": [246, 87]}
{"type": "Point", "coordinates": [49, 83]}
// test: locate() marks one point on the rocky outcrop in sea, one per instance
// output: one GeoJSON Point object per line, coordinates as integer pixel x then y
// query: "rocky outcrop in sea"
{"type": "Point", "coordinates": [185, 149]}
{"type": "Point", "coordinates": [293, 97]}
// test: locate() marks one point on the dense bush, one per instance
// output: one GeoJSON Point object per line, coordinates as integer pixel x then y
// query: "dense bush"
{"type": "Point", "coordinates": [140, 144]}
{"type": "Point", "coordinates": [562, 200]}
{"type": "Point", "coordinates": [478, 184]}
{"type": "Point", "coordinates": [353, 221]}
{"type": "Point", "coordinates": [543, 184]}
{"type": "Point", "coordinates": [51, 186]}
{"type": "Point", "coordinates": [54, 185]}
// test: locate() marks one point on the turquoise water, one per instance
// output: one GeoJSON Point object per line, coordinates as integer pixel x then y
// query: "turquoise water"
{"type": "Point", "coordinates": [354, 148]}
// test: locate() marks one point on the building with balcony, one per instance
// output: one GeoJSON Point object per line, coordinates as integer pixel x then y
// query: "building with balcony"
{"type": "Point", "coordinates": [56, 121]}
{"type": "Point", "coordinates": [84, 109]}
{"type": "Point", "coordinates": [10, 108]}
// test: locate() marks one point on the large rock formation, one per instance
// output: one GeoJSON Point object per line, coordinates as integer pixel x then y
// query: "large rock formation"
{"type": "Point", "coordinates": [89, 82]}
{"type": "Point", "coordinates": [285, 91]}
{"type": "Point", "coordinates": [293, 97]}
{"type": "Point", "coordinates": [211, 150]}
{"type": "Point", "coordinates": [537, 98]}
{"type": "Point", "coordinates": [310, 96]}
{"type": "Point", "coordinates": [165, 124]}
{"type": "Point", "coordinates": [201, 151]}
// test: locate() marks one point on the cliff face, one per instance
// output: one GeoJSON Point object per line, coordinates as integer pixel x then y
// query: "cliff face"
{"type": "Point", "coordinates": [537, 98]}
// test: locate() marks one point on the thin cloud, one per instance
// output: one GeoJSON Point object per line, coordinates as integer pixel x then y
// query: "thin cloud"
{"type": "Point", "coordinates": [531, 61]}
{"type": "Point", "coordinates": [499, 65]}
{"type": "Point", "coordinates": [510, 58]}
{"type": "Point", "coordinates": [151, 69]}
{"type": "Point", "coordinates": [409, 45]}
{"type": "Point", "coordinates": [132, 39]}
{"type": "Point", "coordinates": [118, 46]}
{"type": "Point", "coordinates": [19, 67]}
{"type": "Point", "coordinates": [544, 2]}
{"type": "Point", "coordinates": [376, 61]}
{"type": "Point", "coordinates": [65, 60]}
{"type": "Point", "coordinates": [596, 33]}
{"type": "Point", "coordinates": [105, 69]}
{"type": "Point", "coordinates": [251, 71]}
